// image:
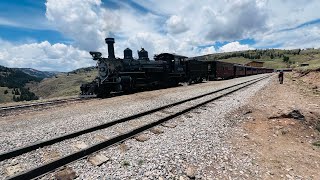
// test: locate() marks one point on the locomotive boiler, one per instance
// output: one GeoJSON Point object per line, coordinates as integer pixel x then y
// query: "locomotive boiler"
{"type": "Point", "coordinates": [129, 74]}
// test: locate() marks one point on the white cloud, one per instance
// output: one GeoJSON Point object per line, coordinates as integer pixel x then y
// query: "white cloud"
{"type": "Point", "coordinates": [290, 13]}
{"type": "Point", "coordinates": [234, 46]}
{"type": "Point", "coordinates": [85, 21]}
{"type": "Point", "coordinates": [239, 20]}
{"type": "Point", "coordinates": [176, 25]}
{"type": "Point", "coordinates": [43, 56]}
{"type": "Point", "coordinates": [306, 37]}
{"type": "Point", "coordinates": [7, 22]}
{"type": "Point", "coordinates": [182, 27]}
{"type": "Point", "coordinates": [212, 21]}
{"type": "Point", "coordinates": [232, 20]}
{"type": "Point", "coordinates": [187, 27]}
{"type": "Point", "coordinates": [171, 26]}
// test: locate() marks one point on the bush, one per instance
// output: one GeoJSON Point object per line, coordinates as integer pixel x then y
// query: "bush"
{"type": "Point", "coordinates": [5, 92]}
{"type": "Point", "coordinates": [285, 59]}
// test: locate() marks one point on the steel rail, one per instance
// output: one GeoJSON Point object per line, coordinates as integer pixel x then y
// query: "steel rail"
{"type": "Point", "coordinates": [19, 151]}
{"type": "Point", "coordinates": [4, 108]}
{"type": "Point", "coordinates": [48, 167]}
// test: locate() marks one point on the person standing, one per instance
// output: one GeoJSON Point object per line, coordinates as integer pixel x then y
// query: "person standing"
{"type": "Point", "coordinates": [280, 76]}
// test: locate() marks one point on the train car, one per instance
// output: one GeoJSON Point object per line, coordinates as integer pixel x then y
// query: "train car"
{"type": "Point", "coordinates": [219, 70]}
{"type": "Point", "coordinates": [260, 70]}
{"type": "Point", "coordinates": [264, 70]}
{"type": "Point", "coordinates": [248, 70]}
{"type": "Point", "coordinates": [239, 70]}
{"type": "Point", "coordinates": [268, 70]}
{"type": "Point", "coordinates": [196, 71]}
{"type": "Point", "coordinates": [254, 70]}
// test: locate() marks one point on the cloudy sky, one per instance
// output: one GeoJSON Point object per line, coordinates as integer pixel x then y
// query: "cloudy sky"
{"type": "Point", "coordinates": [56, 35]}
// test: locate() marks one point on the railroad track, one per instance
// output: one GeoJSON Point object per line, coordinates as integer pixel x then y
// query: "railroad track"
{"type": "Point", "coordinates": [51, 166]}
{"type": "Point", "coordinates": [6, 109]}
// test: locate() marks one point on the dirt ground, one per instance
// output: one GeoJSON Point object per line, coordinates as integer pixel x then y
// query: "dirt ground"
{"type": "Point", "coordinates": [281, 128]}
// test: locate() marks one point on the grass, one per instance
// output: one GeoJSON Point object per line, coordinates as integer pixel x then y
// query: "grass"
{"type": "Point", "coordinates": [312, 58]}
{"type": "Point", "coordinates": [316, 143]}
{"type": "Point", "coordinates": [140, 162]}
{"type": "Point", "coordinates": [307, 69]}
{"type": "Point", "coordinates": [274, 64]}
{"type": "Point", "coordinates": [5, 97]}
{"type": "Point", "coordinates": [125, 163]}
{"type": "Point", "coordinates": [237, 60]}
{"type": "Point", "coordinates": [62, 85]}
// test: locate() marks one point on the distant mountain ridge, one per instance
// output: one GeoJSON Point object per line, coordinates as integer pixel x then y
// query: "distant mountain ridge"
{"type": "Point", "coordinates": [15, 78]}
{"type": "Point", "coordinates": [37, 73]}
{"type": "Point", "coordinates": [12, 83]}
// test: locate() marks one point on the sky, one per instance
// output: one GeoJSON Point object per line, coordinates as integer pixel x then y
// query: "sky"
{"type": "Point", "coordinates": [57, 35]}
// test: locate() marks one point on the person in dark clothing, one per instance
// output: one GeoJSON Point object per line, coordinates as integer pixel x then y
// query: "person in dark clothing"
{"type": "Point", "coordinates": [281, 77]}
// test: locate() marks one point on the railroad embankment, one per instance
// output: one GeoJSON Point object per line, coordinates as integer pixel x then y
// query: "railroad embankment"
{"type": "Point", "coordinates": [281, 128]}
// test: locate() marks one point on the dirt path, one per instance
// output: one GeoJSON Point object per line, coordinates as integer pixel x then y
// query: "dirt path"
{"type": "Point", "coordinates": [284, 144]}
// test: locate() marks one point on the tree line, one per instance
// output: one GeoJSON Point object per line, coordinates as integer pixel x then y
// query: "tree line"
{"type": "Point", "coordinates": [16, 80]}
{"type": "Point", "coordinates": [255, 54]}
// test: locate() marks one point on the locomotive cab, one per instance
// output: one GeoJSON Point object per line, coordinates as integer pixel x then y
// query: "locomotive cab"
{"type": "Point", "coordinates": [176, 62]}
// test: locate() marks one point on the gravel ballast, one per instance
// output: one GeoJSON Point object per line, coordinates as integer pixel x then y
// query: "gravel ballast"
{"type": "Point", "coordinates": [198, 142]}
{"type": "Point", "coordinates": [173, 154]}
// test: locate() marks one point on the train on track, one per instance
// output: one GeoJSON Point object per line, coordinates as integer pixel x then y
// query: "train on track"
{"type": "Point", "coordinates": [166, 70]}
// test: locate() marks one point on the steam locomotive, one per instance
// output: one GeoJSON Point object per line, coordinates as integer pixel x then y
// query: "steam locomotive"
{"type": "Point", "coordinates": [130, 74]}
{"type": "Point", "coordinates": [166, 70]}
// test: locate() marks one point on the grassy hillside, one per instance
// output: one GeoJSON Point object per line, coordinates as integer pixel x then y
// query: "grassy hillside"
{"type": "Point", "coordinates": [15, 79]}
{"type": "Point", "coordinates": [36, 73]}
{"type": "Point", "coordinates": [272, 58]}
{"type": "Point", "coordinates": [5, 97]}
{"type": "Point", "coordinates": [64, 84]}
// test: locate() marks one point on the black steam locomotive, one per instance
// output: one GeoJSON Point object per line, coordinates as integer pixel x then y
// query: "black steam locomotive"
{"type": "Point", "coordinates": [166, 70]}
{"type": "Point", "coordinates": [128, 74]}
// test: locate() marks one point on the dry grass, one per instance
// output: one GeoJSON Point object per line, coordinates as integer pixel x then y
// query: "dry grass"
{"type": "Point", "coordinates": [5, 97]}
{"type": "Point", "coordinates": [312, 58]}
{"type": "Point", "coordinates": [237, 60]}
{"type": "Point", "coordinates": [62, 85]}
{"type": "Point", "coordinates": [314, 65]}
{"type": "Point", "coordinates": [275, 63]}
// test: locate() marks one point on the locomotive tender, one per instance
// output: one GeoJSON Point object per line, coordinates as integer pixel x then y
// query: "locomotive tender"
{"type": "Point", "coordinates": [166, 70]}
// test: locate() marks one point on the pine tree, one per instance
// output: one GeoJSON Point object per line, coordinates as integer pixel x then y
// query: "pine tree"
{"type": "Point", "coordinates": [16, 92]}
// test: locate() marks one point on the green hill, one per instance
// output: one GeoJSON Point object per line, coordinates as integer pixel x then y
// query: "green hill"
{"type": "Point", "coordinates": [63, 84]}
{"type": "Point", "coordinates": [272, 58]}
{"type": "Point", "coordinates": [12, 85]}
{"type": "Point", "coordinates": [15, 78]}
{"type": "Point", "coordinates": [37, 73]}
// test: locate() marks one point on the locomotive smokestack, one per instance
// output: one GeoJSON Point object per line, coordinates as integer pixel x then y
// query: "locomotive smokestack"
{"type": "Point", "coordinates": [110, 42]}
